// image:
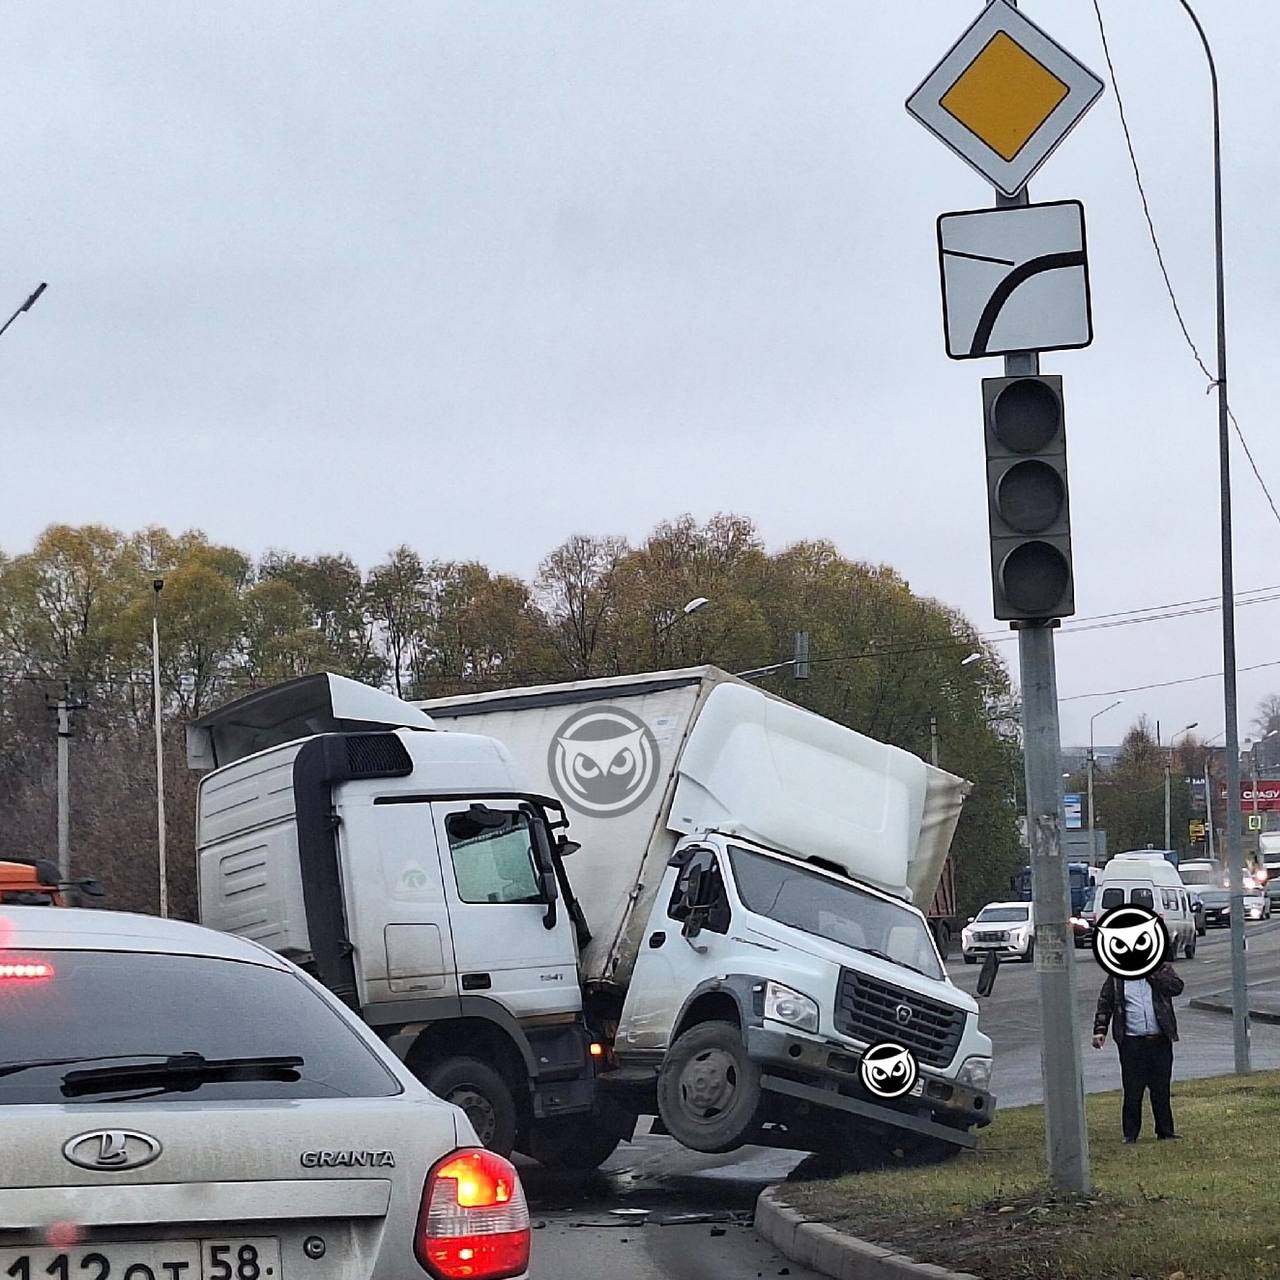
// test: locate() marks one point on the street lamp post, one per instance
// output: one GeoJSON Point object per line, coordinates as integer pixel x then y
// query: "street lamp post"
{"type": "Point", "coordinates": [26, 306]}
{"type": "Point", "coordinates": [1168, 765]}
{"type": "Point", "coordinates": [1235, 860]}
{"type": "Point", "coordinates": [1093, 847]}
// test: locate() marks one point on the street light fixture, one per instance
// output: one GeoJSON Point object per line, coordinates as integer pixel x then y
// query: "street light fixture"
{"type": "Point", "coordinates": [1093, 851]}
{"type": "Point", "coordinates": [26, 306]}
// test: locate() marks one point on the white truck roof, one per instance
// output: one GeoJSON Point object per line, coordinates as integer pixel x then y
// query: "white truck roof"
{"type": "Point", "coordinates": [643, 759]}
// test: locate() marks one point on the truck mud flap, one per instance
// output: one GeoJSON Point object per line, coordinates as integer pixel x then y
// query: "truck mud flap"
{"type": "Point", "coordinates": [869, 1111]}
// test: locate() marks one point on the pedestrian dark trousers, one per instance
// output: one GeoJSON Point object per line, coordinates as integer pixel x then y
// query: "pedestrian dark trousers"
{"type": "Point", "coordinates": [1146, 1062]}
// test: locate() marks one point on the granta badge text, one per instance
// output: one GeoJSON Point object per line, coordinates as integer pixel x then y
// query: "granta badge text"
{"type": "Point", "coordinates": [348, 1160]}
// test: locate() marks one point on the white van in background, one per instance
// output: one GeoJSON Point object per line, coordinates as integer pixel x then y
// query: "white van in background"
{"type": "Point", "coordinates": [1148, 880]}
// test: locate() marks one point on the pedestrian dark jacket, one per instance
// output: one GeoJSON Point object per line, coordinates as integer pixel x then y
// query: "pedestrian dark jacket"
{"type": "Point", "coordinates": [1165, 984]}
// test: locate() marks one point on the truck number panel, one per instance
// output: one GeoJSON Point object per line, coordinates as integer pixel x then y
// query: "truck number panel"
{"type": "Point", "coordinates": [253, 1259]}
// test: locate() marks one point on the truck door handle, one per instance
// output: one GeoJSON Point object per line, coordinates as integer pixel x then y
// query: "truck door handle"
{"type": "Point", "coordinates": [657, 939]}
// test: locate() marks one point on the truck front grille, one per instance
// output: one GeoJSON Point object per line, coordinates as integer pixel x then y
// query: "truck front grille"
{"type": "Point", "coordinates": [871, 1010]}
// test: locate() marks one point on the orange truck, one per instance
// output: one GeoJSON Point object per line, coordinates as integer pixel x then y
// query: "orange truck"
{"type": "Point", "coordinates": [35, 882]}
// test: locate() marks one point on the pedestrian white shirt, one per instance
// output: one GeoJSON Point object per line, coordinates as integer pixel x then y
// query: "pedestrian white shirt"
{"type": "Point", "coordinates": [1139, 1009]}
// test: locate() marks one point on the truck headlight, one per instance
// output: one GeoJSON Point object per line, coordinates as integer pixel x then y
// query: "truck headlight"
{"type": "Point", "coordinates": [975, 1073]}
{"type": "Point", "coordinates": [781, 1004]}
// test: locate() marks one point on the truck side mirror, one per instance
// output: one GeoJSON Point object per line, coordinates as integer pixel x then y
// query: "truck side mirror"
{"type": "Point", "coordinates": [987, 978]}
{"type": "Point", "coordinates": [565, 846]}
{"type": "Point", "coordinates": [551, 894]}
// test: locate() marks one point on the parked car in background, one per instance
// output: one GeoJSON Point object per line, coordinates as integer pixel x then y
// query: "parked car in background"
{"type": "Point", "coordinates": [1006, 928]}
{"type": "Point", "coordinates": [170, 1134]}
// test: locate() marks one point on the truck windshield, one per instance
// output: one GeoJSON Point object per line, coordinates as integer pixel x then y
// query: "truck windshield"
{"type": "Point", "coordinates": [838, 912]}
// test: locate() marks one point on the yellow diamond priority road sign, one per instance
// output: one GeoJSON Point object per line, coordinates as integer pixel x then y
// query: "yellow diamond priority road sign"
{"type": "Point", "coordinates": [1004, 97]}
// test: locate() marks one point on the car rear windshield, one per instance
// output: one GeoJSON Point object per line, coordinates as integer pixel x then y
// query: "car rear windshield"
{"type": "Point", "coordinates": [124, 1008]}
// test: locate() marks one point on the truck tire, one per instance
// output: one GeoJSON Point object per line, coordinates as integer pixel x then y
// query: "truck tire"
{"type": "Point", "coordinates": [576, 1144]}
{"type": "Point", "coordinates": [709, 1089]}
{"type": "Point", "coordinates": [482, 1093]}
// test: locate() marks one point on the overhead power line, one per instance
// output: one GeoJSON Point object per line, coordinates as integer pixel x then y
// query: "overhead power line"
{"type": "Point", "coordinates": [1164, 271]}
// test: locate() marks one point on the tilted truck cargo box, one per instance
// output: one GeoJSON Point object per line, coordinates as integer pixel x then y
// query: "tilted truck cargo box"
{"type": "Point", "coordinates": [643, 760]}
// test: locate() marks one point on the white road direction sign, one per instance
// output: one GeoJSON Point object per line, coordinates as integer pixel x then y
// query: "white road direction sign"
{"type": "Point", "coordinates": [1014, 280]}
{"type": "Point", "coordinates": [1004, 96]}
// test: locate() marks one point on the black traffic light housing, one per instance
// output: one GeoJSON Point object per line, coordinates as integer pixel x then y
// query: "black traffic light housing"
{"type": "Point", "coordinates": [1027, 501]}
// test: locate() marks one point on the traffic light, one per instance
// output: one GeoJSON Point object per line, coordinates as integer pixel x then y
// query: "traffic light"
{"type": "Point", "coordinates": [1027, 504]}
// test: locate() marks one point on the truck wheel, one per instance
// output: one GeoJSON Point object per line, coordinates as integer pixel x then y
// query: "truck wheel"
{"type": "Point", "coordinates": [573, 1143]}
{"type": "Point", "coordinates": [709, 1090]}
{"type": "Point", "coordinates": [480, 1092]}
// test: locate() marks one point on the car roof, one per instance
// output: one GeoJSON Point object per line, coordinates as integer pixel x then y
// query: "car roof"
{"type": "Point", "coordinates": [74, 929]}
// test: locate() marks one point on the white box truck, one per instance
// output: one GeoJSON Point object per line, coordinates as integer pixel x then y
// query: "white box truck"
{"type": "Point", "coordinates": [752, 874]}
{"type": "Point", "coordinates": [748, 874]}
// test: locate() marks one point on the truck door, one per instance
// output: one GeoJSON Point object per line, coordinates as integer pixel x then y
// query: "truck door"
{"type": "Point", "coordinates": [497, 910]}
{"type": "Point", "coordinates": [670, 965]}
{"type": "Point", "coordinates": [397, 912]}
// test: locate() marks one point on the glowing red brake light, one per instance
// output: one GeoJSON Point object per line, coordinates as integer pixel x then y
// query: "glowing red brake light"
{"type": "Point", "coordinates": [24, 970]}
{"type": "Point", "coordinates": [474, 1223]}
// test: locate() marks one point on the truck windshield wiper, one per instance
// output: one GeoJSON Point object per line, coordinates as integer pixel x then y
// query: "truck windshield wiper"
{"type": "Point", "coordinates": [880, 955]}
{"type": "Point", "coordinates": [180, 1072]}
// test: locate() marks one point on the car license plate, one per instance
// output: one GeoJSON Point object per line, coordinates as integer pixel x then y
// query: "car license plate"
{"type": "Point", "coordinates": [254, 1258]}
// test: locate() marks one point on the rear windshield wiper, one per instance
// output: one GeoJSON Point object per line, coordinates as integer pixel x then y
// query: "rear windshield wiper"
{"type": "Point", "coordinates": [12, 1068]}
{"type": "Point", "coordinates": [180, 1072]}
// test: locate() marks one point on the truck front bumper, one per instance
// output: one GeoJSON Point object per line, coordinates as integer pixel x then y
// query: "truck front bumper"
{"type": "Point", "coordinates": [826, 1074]}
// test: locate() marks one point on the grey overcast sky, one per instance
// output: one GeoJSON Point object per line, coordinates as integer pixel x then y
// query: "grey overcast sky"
{"type": "Point", "coordinates": [475, 276]}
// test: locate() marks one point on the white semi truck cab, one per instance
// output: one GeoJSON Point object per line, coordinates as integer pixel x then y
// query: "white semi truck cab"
{"type": "Point", "coordinates": [412, 872]}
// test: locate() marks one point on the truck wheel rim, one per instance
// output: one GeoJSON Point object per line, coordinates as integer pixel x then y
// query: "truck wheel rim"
{"type": "Point", "coordinates": [479, 1110]}
{"type": "Point", "coordinates": [709, 1084]}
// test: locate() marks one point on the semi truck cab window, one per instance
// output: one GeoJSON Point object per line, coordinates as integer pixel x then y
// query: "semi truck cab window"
{"type": "Point", "coordinates": [493, 863]}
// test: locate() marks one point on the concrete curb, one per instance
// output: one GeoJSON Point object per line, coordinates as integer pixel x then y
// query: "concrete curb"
{"type": "Point", "coordinates": [1213, 1004]}
{"type": "Point", "coordinates": [823, 1248]}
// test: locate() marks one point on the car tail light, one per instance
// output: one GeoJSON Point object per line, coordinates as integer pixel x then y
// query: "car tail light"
{"type": "Point", "coordinates": [24, 970]}
{"type": "Point", "coordinates": [474, 1222]}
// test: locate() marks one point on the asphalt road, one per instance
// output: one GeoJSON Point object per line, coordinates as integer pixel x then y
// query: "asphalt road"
{"type": "Point", "coordinates": [632, 1221]}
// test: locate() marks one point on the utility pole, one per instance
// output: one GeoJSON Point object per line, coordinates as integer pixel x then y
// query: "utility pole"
{"type": "Point", "coordinates": [1168, 768]}
{"type": "Point", "coordinates": [157, 585]}
{"type": "Point", "coordinates": [63, 708]}
{"type": "Point", "coordinates": [64, 790]}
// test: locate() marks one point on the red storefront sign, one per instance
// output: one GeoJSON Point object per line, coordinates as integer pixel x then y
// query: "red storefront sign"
{"type": "Point", "coordinates": [1266, 798]}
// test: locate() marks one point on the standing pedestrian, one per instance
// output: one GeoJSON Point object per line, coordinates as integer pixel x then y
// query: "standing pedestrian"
{"type": "Point", "coordinates": [1139, 1012]}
